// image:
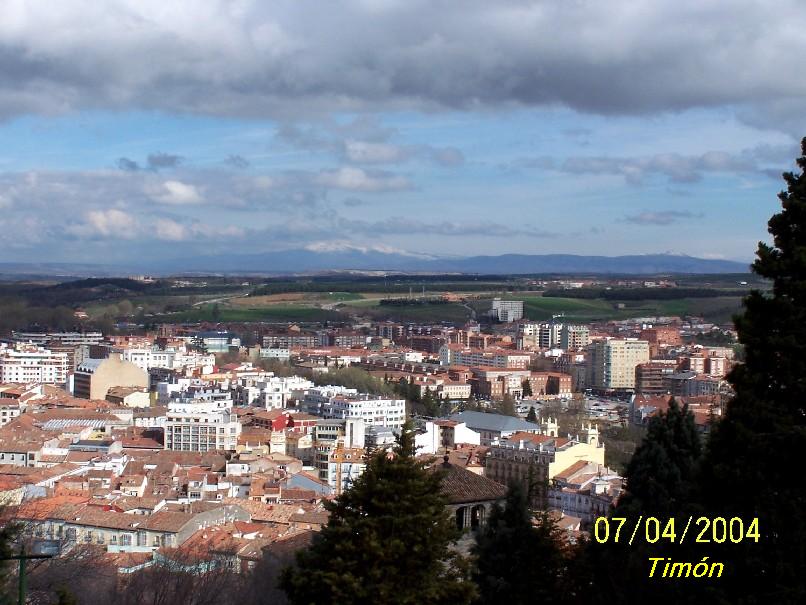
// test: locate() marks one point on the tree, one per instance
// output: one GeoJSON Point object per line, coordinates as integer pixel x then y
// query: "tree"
{"type": "Point", "coordinates": [387, 540]}
{"type": "Point", "coordinates": [507, 406]}
{"type": "Point", "coordinates": [755, 450]}
{"type": "Point", "coordinates": [8, 533]}
{"type": "Point", "coordinates": [660, 473]}
{"type": "Point", "coordinates": [518, 562]}
{"type": "Point", "coordinates": [527, 388]}
{"type": "Point", "coordinates": [532, 415]}
{"type": "Point", "coordinates": [215, 313]}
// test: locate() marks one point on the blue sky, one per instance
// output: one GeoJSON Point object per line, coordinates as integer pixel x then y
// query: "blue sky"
{"type": "Point", "coordinates": [131, 130]}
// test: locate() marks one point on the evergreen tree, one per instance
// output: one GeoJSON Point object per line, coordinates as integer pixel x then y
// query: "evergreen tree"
{"type": "Point", "coordinates": [659, 476]}
{"type": "Point", "coordinates": [527, 388]}
{"type": "Point", "coordinates": [519, 563]}
{"type": "Point", "coordinates": [507, 406]}
{"type": "Point", "coordinates": [532, 415]}
{"type": "Point", "coordinates": [8, 533]}
{"type": "Point", "coordinates": [659, 482]}
{"type": "Point", "coordinates": [752, 463]}
{"type": "Point", "coordinates": [387, 540]}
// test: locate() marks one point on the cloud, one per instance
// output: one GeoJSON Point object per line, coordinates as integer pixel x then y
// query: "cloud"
{"type": "Point", "coordinates": [397, 225]}
{"type": "Point", "coordinates": [177, 193]}
{"type": "Point", "coordinates": [236, 161]}
{"type": "Point", "coordinates": [363, 142]}
{"type": "Point", "coordinates": [661, 218]}
{"type": "Point", "coordinates": [356, 179]}
{"type": "Point", "coordinates": [154, 162]}
{"type": "Point", "coordinates": [128, 165]}
{"type": "Point", "coordinates": [168, 229]}
{"type": "Point", "coordinates": [353, 202]}
{"type": "Point", "coordinates": [257, 59]}
{"type": "Point", "coordinates": [106, 223]}
{"type": "Point", "coordinates": [158, 161]}
{"type": "Point", "coordinates": [362, 152]}
{"type": "Point", "coordinates": [675, 167]}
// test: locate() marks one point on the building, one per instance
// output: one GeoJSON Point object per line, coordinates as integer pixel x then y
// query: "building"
{"type": "Point", "coordinates": [652, 378]}
{"type": "Point", "coordinates": [94, 377]}
{"type": "Point", "coordinates": [507, 310]}
{"type": "Point", "coordinates": [344, 465]}
{"type": "Point", "coordinates": [470, 497]}
{"type": "Point", "coordinates": [574, 337]}
{"type": "Point", "coordinates": [586, 490]}
{"type": "Point", "coordinates": [493, 427]}
{"type": "Point", "coordinates": [444, 435]}
{"type": "Point", "coordinates": [373, 410]}
{"type": "Point", "coordinates": [26, 363]}
{"type": "Point", "coordinates": [71, 339]}
{"type": "Point", "coordinates": [194, 425]}
{"type": "Point", "coordinates": [217, 342]}
{"type": "Point", "coordinates": [611, 363]}
{"type": "Point", "coordinates": [454, 354]}
{"type": "Point", "coordinates": [537, 459]}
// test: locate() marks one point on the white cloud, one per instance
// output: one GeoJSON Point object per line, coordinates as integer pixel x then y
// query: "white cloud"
{"type": "Point", "coordinates": [106, 223]}
{"type": "Point", "coordinates": [356, 179]}
{"type": "Point", "coordinates": [363, 152]}
{"type": "Point", "coordinates": [170, 230]}
{"type": "Point", "coordinates": [177, 193]}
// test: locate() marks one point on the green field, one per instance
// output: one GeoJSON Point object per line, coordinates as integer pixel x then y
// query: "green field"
{"type": "Point", "coordinates": [271, 313]}
{"type": "Point", "coordinates": [719, 310]}
{"type": "Point", "coordinates": [451, 312]}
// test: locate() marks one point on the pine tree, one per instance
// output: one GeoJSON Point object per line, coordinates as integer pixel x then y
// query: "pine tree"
{"type": "Point", "coordinates": [518, 562]}
{"type": "Point", "coordinates": [527, 388]}
{"type": "Point", "coordinates": [752, 464]}
{"type": "Point", "coordinates": [660, 473]}
{"type": "Point", "coordinates": [532, 415]}
{"type": "Point", "coordinates": [387, 540]}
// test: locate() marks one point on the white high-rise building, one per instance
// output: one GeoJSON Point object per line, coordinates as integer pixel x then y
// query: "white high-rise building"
{"type": "Point", "coordinates": [27, 363]}
{"type": "Point", "coordinates": [507, 310]}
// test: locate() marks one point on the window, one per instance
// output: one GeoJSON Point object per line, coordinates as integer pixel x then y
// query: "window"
{"type": "Point", "coordinates": [126, 540]}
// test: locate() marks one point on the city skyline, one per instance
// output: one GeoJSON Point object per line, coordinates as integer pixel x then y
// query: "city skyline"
{"type": "Point", "coordinates": [135, 130]}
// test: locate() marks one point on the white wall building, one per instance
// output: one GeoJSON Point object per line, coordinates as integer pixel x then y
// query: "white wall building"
{"type": "Point", "coordinates": [201, 426]}
{"type": "Point", "coordinates": [377, 411]}
{"type": "Point", "coordinates": [507, 310]}
{"type": "Point", "coordinates": [26, 363]}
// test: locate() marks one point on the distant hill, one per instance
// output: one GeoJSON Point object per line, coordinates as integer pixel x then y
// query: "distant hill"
{"type": "Point", "coordinates": [357, 259]}
{"type": "Point", "coordinates": [299, 261]}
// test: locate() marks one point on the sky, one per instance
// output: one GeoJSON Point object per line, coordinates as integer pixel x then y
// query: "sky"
{"type": "Point", "coordinates": [147, 130]}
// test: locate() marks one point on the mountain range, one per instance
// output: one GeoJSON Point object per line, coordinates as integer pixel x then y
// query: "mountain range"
{"type": "Point", "coordinates": [368, 259]}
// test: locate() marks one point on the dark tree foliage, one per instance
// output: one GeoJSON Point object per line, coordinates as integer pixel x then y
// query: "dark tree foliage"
{"type": "Point", "coordinates": [659, 482]}
{"type": "Point", "coordinates": [532, 415]}
{"type": "Point", "coordinates": [753, 462]}
{"type": "Point", "coordinates": [519, 563]}
{"type": "Point", "coordinates": [527, 388]}
{"type": "Point", "coordinates": [387, 541]}
{"type": "Point", "coordinates": [660, 473]}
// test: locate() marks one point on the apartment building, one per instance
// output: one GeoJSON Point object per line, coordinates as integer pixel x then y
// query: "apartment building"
{"type": "Point", "coordinates": [72, 339]}
{"type": "Point", "coordinates": [652, 378]}
{"type": "Point", "coordinates": [26, 363]}
{"type": "Point", "coordinates": [452, 354]}
{"type": "Point", "coordinates": [537, 458]}
{"type": "Point", "coordinates": [507, 310]}
{"type": "Point", "coordinates": [611, 363]}
{"type": "Point", "coordinates": [574, 337]}
{"type": "Point", "coordinates": [194, 425]}
{"type": "Point", "coordinates": [373, 410]}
